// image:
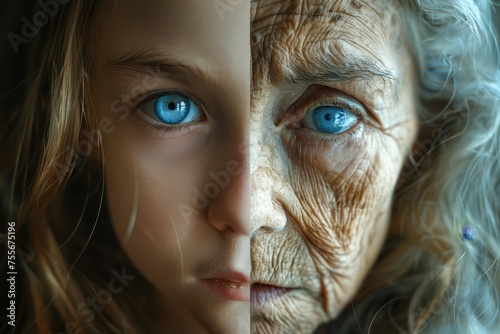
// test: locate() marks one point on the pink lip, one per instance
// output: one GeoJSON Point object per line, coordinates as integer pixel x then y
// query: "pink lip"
{"type": "Point", "coordinates": [229, 275]}
{"type": "Point", "coordinates": [262, 294]}
{"type": "Point", "coordinates": [229, 285]}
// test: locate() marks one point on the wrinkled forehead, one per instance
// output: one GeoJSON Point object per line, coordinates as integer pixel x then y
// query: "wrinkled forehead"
{"type": "Point", "coordinates": [289, 36]}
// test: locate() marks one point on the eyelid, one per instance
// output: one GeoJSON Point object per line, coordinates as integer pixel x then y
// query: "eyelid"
{"type": "Point", "coordinates": [156, 126]}
{"type": "Point", "coordinates": [154, 94]}
{"type": "Point", "coordinates": [351, 107]}
{"type": "Point", "coordinates": [318, 96]}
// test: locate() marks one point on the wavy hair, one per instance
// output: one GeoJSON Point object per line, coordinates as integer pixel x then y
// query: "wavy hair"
{"type": "Point", "coordinates": [52, 189]}
{"type": "Point", "coordinates": [439, 270]}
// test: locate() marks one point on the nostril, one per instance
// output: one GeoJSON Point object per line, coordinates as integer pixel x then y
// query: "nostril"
{"type": "Point", "coordinates": [276, 221]}
{"type": "Point", "coordinates": [265, 212]}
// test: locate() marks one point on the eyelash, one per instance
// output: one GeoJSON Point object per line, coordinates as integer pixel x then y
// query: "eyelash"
{"type": "Point", "coordinates": [336, 103]}
{"type": "Point", "coordinates": [154, 126]}
{"type": "Point", "coordinates": [347, 135]}
{"type": "Point", "coordinates": [160, 129]}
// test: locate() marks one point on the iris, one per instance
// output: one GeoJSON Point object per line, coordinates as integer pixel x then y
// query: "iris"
{"type": "Point", "coordinates": [330, 119]}
{"type": "Point", "coordinates": [173, 108]}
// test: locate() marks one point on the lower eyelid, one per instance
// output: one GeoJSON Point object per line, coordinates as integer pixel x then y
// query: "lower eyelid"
{"type": "Point", "coordinates": [164, 132]}
{"type": "Point", "coordinates": [146, 120]}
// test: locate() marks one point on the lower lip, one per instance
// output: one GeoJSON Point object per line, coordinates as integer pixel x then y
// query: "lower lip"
{"type": "Point", "coordinates": [228, 289]}
{"type": "Point", "coordinates": [262, 294]}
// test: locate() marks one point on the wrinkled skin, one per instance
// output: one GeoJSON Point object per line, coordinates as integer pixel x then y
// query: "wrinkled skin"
{"type": "Point", "coordinates": [321, 203]}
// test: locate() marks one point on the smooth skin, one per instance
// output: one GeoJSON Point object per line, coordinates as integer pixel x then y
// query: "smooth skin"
{"type": "Point", "coordinates": [180, 219]}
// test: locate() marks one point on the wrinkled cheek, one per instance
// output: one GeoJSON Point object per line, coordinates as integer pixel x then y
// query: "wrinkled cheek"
{"type": "Point", "coordinates": [340, 186]}
{"type": "Point", "coordinates": [344, 189]}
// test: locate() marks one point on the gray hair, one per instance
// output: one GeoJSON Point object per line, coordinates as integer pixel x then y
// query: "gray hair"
{"type": "Point", "coordinates": [431, 278]}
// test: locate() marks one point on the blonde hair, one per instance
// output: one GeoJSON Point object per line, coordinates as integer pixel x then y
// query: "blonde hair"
{"type": "Point", "coordinates": [52, 188]}
{"type": "Point", "coordinates": [431, 278]}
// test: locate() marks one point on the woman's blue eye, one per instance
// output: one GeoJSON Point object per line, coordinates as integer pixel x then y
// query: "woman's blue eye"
{"type": "Point", "coordinates": [329, 119]}
{"type": "Point", "coordinates": [173, 108]}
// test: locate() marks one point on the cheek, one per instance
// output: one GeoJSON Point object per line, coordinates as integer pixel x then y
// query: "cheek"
{"type": "Point", "coordinates": [343, 191]}
{"type": "Point", "coordinates": [150, 197]}
{"type": "Point", "coordinates": [345, 183]}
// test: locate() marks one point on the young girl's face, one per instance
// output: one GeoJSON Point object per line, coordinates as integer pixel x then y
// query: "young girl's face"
{"type": "Point", "coordinates": [172, 95]}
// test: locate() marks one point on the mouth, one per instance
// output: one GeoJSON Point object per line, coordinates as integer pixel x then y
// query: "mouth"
{"type": "Point", "coordinates": [228, 285]}
{"type": "Point", "coordinates": [262, 295]}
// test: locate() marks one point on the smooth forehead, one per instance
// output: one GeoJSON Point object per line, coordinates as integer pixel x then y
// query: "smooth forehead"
{"type": "Point", "coordinates": [194, 31]}
{"type": "Point", "coordinates": [290, 34]}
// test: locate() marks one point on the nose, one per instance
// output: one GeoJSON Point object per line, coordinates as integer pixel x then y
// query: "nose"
{"type": "Point", "coordinates": [229, 211]}
{"type": "Point", "coordinates": [266, 211]}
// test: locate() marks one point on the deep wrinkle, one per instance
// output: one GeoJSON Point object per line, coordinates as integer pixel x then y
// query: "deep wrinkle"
{"type": "Point", "coordinates": [331, 193]}
{"type": "Point", "coordinates": [330, 59]}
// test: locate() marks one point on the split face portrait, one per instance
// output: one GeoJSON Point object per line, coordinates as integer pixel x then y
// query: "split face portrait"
{"type": "Point", "coordinates": [332, 119]}
{"type": "Point", "coordinates": [251, 166]}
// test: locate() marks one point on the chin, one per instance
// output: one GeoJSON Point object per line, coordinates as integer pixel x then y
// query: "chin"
{"type": "Point", "coordinates": [295, 312]}
{"type": "Point", "coordinates": [220, 317]}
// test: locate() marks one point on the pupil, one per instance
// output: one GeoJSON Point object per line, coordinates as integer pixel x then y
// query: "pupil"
{"type": "Point", "coordinates": [328, 117]}
{"type": "Point", "coordinates": [172, 106]}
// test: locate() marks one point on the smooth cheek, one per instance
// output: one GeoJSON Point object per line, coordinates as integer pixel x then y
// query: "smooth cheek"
{"type": "Point", "coordinates": [147, 179]}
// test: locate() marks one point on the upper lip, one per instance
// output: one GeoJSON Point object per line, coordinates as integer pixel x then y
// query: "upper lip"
{"type": "Point", "coordinates": [278, 285]}
{"type": "Point", "coordinates": [274, 280]}
{"type": "Point", "coordinates": [228, 275]}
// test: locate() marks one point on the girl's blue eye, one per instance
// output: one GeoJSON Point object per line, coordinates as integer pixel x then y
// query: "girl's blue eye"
{"type": "Point", "coordinates": [330, 119]}
{"type": "Point", "coordinates": [173, 108]}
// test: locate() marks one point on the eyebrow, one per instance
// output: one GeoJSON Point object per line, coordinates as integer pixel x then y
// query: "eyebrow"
{"type": "Point", "coordinates": [325, 70]}
{"type": "Point", "coordinates": [165, 65]}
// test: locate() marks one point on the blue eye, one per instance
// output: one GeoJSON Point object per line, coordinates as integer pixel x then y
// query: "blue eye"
{"type": "Point", "coordinates": [173, 108]}
{"type": "Point", "coordinates": [329, 119]}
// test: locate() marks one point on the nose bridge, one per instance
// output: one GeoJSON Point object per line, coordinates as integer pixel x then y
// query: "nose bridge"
{"type": "Point", "coordinates": [265, 211]}
{"type": "Point", "coordinates": [230, 209]}
{"type": "Point", "coordinates": [256, 138]}
{"type": "Point", "coordinates": [260, 199]}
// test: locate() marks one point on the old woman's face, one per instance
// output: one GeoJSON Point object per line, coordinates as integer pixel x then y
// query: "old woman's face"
{"type": "Point", "coordinates": [332, 120]}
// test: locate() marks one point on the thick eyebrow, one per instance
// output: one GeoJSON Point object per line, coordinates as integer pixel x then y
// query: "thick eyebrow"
{"type": "Point", "coordinates": [163, 65]}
